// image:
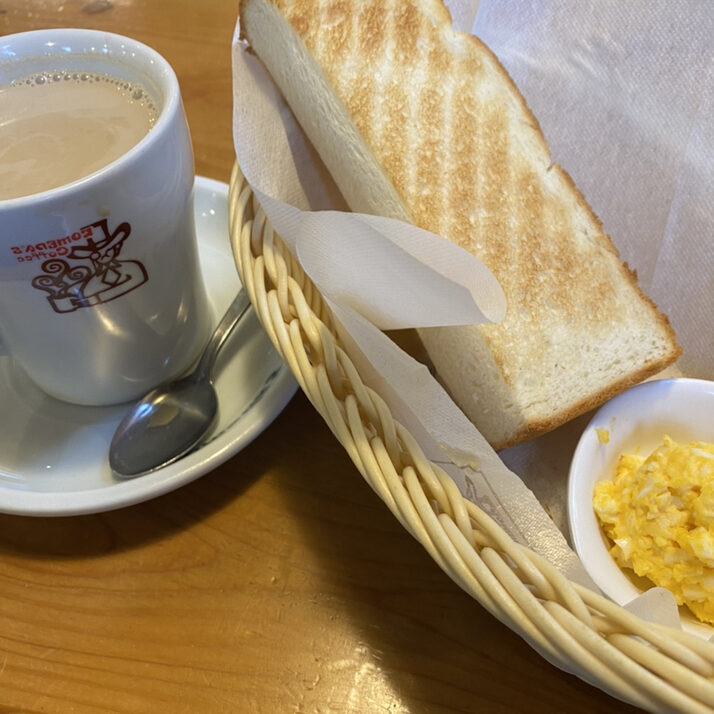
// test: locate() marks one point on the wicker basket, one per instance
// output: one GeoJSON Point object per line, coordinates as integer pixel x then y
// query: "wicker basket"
{"type": "Point", "coordinates": [656, 668]}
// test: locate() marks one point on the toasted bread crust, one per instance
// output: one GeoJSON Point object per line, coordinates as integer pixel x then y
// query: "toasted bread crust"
{"type": "Point", "coordinates": [456, 146]}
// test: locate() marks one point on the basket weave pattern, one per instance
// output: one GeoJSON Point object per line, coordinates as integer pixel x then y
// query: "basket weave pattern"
{"type": "Point", "coordinates": [656, 668]}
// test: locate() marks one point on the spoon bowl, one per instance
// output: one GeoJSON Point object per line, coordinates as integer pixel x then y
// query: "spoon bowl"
{"type": "Point", "coordinates": [172, 419]}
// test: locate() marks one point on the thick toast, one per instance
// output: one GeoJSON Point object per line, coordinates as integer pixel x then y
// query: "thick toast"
{"type": "Point", "coordinates": [419, 122]}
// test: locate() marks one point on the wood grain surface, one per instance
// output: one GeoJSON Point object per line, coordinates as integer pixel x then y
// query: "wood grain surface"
{"type": "Point", "coordinates": [277, 583]}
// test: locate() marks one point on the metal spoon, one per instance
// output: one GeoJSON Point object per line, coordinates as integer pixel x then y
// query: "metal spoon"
{"type": "Point", "coordinates": [171, 419]}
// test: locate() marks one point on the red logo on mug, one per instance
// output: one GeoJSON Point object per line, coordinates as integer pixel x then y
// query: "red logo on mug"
{"type": "Point", "coordinates": [95, 274]}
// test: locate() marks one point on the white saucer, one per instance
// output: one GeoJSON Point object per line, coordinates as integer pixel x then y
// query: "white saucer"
{"type": "Point", "coordinates": [53, 455]}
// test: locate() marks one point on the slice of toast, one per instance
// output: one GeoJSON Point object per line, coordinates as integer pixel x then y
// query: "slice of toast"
{"type": "Point", "coordinates": [419, 122]}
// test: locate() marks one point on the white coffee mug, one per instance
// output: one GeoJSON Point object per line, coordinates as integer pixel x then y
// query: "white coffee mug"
{"type": "Point", "coordinates": [101, 296]}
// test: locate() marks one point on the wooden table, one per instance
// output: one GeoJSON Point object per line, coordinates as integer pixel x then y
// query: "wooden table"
{"type": "Point", "coordinates": [277, 583]}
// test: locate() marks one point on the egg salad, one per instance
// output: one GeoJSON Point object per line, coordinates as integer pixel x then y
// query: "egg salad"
{"type": "Point", "coordinates": [659, 514]}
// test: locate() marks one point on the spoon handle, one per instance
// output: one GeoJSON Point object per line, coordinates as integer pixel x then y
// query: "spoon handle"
{"type": "Point", "coordinates": [233, 314]}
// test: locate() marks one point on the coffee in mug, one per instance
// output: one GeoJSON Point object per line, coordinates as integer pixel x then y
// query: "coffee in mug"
{"type": "Point", "coordinates": [57, 127]}
{"type": "Point", "coordinates": [101, 294]}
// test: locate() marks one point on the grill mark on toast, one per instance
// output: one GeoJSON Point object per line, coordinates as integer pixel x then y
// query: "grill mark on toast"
{"type": "Point", "coordinates": [359, 95]}
{"type": "Point", "coordinates": [429, 159]}
{"type": "Point", "coordinates": [396, 122]}
{"type": "Point", "coordinates": [528, 276]}
{"type": "Point", "coordinates": [429, 162]}
{"type": "Point", "coordinates": [434, 124]}
{"type": "Point", "coordinates": [371, 35]}
{"type": "Point", "coordinates": [392, 106]}
{"type": "Point", "coordinates": [413, 70]}
{"type": "Point", "coordinates": [336, 38]}
{"type": "Point", "coordinates": [463, 176]}
{"type": "Point", "coordinates": [498, 250]}
{"type": "Point", "coordinates": [301, 15]}
{"type": "Point", "coordinates": [364, 91]}
{"type": "Point", "coordinates": [408, 20]}
{"type": "Point", "coordinates": [493, 184]}
{"type": "Point", "coordinates": [546, 261]}
{"type": "Point", "coordinates": [336, 29]}
{"type": "Point", "coordinates": [447, 122]}
{"type": "Point", "coordinates": [440, 60]}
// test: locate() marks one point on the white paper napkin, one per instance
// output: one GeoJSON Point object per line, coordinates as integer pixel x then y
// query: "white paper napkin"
{"type": "Point", "coordinates": [624, 93]}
